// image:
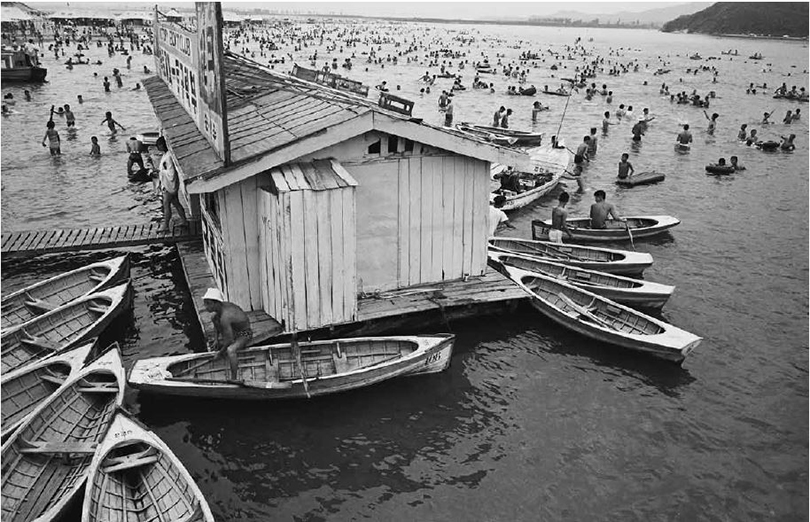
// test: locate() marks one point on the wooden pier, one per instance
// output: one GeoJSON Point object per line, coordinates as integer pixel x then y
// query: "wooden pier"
{"type": "Point", "coordinates": [29, 243]}
{"type": "Point", "coordinates": [377, 313]}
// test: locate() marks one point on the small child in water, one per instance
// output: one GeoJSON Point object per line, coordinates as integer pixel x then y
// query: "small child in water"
{"type": "Point", "coordinates": [111, 123]}
{"type": "Point", "coordinates": [95, 148]}
{"type": "Point", "coordinates": [54, 142]}
{"type": "Point", "coordinates": [736, 165]}
{"type": "Point", "coordinates": [625, 167]}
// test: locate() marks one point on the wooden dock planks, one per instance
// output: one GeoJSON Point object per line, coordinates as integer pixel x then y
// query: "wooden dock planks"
{"type": "Point", "coordinates": [36, 242]}
{"type": "Point", "coordinates": [199, 278]}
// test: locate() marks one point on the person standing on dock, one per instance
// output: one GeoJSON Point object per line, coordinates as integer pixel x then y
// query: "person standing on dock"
{"type": "Point", "coordinates": [232, 327]}
{"type": "Point", "coordinates": [170, 185]}
{"type": "Point", "coordinates": [134, 148]}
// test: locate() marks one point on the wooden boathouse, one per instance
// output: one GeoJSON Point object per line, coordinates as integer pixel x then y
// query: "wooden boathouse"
{"type": "Point", "coordinates": [313, 199]}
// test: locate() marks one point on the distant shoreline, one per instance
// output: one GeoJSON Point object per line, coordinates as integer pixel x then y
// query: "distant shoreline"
{"type": "Point", "coordinates": [761, 37]}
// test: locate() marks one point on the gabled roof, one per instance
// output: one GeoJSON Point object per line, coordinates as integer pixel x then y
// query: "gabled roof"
{"type": "Point", "coordinates": [274, 118]}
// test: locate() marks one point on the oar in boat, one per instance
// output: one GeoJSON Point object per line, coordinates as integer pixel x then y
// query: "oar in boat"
{"type": "Point", "coordinates": [553, 252]}
{"type": "Point", "coordinates": [297, 352]}
{"type": "Point", "coordinates": [584, 311]}
{"type": "Point", "coordinates": [632, 243]}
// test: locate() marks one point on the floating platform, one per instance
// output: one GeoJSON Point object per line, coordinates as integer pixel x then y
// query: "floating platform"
{"type": "Point", "coordinates": [35, 242]}
{"type": "Point", "coordinates": [377, 313]}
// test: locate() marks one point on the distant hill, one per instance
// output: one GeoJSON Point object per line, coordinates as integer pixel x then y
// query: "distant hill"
{"type": "Point", "coordinates": [760, 18]}
{"type": "Point", "coordinates": [657, 16]}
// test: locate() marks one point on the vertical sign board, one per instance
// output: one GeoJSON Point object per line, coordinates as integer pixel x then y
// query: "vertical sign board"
{"type": "Point", "coordinates": [190, 63]}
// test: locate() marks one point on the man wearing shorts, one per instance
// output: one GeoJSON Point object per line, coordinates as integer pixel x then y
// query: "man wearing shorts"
{"type": "Point", "coordinates": [232, 327]}
{"type": "Point", "coordinates": [559, 217]}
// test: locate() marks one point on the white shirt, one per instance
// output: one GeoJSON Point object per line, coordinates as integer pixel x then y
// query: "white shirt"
{"type": "Point", "coordinates": [168, 174]}
{"type": "Point", "coordinates": [496, 217]}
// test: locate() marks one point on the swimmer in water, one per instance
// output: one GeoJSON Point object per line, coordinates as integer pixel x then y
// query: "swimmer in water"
{"type": "Point", "coordinates": [95, 149]}
{"type": "Point", "coordinates": [712, 122]}
{"type": "Point", "coordinates": [743, 134]}
{"type": "Point", "coordinates": [765, 117]}
{"type": "Point", "coordinates": [111, 123]}
{"type": "Point", "coordinates": [736, 165]}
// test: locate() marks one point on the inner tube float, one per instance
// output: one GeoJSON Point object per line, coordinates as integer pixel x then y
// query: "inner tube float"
{"type": "Point", "coordinates": [767, 145]}
{"type": "Point", "coordinates": [140, 176]}
{"type": "Point", "coordinates": [713, 168]}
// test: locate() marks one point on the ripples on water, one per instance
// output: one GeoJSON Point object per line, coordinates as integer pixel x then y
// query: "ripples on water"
{"type": "Point", "coordinates": [530, 422]}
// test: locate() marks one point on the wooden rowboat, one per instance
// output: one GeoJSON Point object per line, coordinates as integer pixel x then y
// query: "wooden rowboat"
{"type": "Point", "coordinates": [503, 136]}
{"type": "Point", "coordinates": [548, 165]}
{"type": "Point", "coordinates": [644, 178]}
{"type": "Point", "coordinates": [23, 305]}
{"type": "Point", "coordinates": [274, 372]}
{"type": "Point", "coordinates": [632, 292]}
{"type": "Point", "coordinates": [602, 319]}
{"type": "Point", "coordinates": [593, 258]}
{"type": "Point", "coordinates": [25, 389]}
{"type": "Point", "coordinates": [63, 327]}
{"type": "Point", "coordinates": [135, 473]}
{"type": "Point", "coordinates": [615, 229]}
{"type": "Point", "coordinates": [45, 462]}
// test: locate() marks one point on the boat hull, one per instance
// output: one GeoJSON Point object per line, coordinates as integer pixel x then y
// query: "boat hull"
{"type": "Point", "coordinates": [632, 292]}
{"type": "Point", "coordinates": [545, 160]}
{"type": "Point", "coordinates": [607, 260]}
{"type": "Point", "coordinates": [24, 390]}
{"type": "Point", "coordinates": [63, 327]}
{"type": "Point", "coordinates": [616, 230]}
{"type": "Point", "coordinates": [39, 482]}
{"type": "Point", "coordinates": [621, 326]}
{"type": "Point", "coordinates": [24, 74]}
{"type": "Point", "coordinates": [133, 471]}
{"type": "Point", "coordinates": [279, 376]}
{"type": "Point", "coordinates": [32, 301]}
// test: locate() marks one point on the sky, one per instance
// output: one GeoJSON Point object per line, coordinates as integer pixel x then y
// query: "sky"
{"type": "Point", "coordinates": [420, 8]}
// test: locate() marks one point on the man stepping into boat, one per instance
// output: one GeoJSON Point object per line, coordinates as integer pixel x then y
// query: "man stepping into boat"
{"type": "Point", "coordinates": [601, 210]}
{"type": "Point", "coordinates": [559, 220]}
{"type": "Point", "coordinates": [232, 327]}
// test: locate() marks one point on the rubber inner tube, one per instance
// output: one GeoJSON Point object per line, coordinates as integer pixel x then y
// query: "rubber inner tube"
{"type": "Point", "coordinates": [719, 169]}
{"type": "Point", "coordinates": [768, 145]}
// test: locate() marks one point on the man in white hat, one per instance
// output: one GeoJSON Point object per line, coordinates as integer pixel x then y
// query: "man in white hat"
{"type": "Point", "coordinates": [232, 326]}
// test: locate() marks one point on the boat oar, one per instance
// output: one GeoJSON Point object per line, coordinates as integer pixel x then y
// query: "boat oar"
{"type": "Point", "coordinates": [632, 243]}
{"type": "Point", "coordinates": [584, 311]}
{"type": "Point", "coordinates": [297, 352]}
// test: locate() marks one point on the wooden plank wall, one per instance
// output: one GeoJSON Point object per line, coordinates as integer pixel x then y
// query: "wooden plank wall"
{"type": "Point", "coordinates": [238, 206]}
{"type": "Point", "coordinates": [439, 229]}
{"type": "Point", "coordinates": [308, 253]}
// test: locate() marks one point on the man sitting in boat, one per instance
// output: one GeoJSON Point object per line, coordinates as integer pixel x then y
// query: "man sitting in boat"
{"type": "Point", "coordinates": [510, 180]}
{"type": "Point", "coordinates": [601, 210]}
{"type": "Point", "coordinates": [232, 327]}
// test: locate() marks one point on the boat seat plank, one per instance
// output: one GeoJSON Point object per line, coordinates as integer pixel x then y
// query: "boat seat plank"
{"type": "Point", "coordinates": [39, 342]}
{"type": "Point", "coordinates": [97, 309]}
{"type": "Point", "coordinates": [59, 447]}
{"type": "Point", "coordinates": [97, 389]}
{"type": "Point", "coordinates": [134, 461]}
{"type": "Point", "coordinates": [38, 304]}
{"type": "Point", "coordinates": [52, 378]}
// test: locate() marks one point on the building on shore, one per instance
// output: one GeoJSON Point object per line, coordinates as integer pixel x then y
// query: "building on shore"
{"type": "Point", "coordinates": [323, 197]}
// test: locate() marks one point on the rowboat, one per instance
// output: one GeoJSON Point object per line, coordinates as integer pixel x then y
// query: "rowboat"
{"type": "Point", "coordinates": [644, 178]}
{"type": "Point", "coordinates": [615, 229]}
{"type": "Point", "coordinates": [63, 327]}
{"type": "Point", "coordinates": [32, 301]}
{"type": "Point", "coordinates": [632, 292]}
{"type": "Point", "coordinates": [45, 462]}
{"type": "Point", "coordinates": [275, 371]}
{"type": "Point", "coordinates": [134, 472]}
{"type": "Point", "coordinates": [592, 258]}
{"type": "Point", "coordinates": [602, 319]}
{"type": "Point", "coordinates": [548, 164]}
{"type": "Point", "coordinates": [26, 388]}
{"type": "Point", "coordinates": [503, 136]}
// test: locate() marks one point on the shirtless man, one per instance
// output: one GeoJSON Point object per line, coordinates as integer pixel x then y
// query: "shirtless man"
{"type": "Point", "coordinates": [559, 220]}
{"type": "Point", "coordinates": [232, 327]}
{"type": "Point", "coordinates": [625, 167]}
{"type": "Point", "coordinates": [601, 210]}
{"type": "Point", "coordinates": [685, 137]}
